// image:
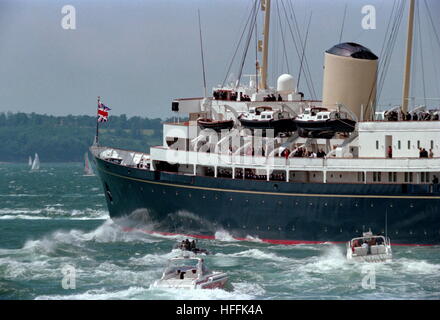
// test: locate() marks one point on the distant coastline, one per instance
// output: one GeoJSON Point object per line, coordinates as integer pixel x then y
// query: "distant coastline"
{"type": "Point", "coordinates": [67, 138]}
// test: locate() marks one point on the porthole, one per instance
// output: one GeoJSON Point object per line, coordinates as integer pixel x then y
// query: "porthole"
{"type": "Point", "coordinates": [279, 228]}
{"type": "Point", "coordinates": [411, 205]}
{"type": "Point", "coordinates": [262, 201]}
{"type": "Point", "coordinates": [340, 204]}
{"type": "Point", "coordinates": [325, 204]}
{"type": "Point", "coordinates": [177, 193]}
{"type": "Point", "coordinates": [268, 227]}
{"type": "Point", "coordinates": [391, 205]}
{"type": "Point", "coordinates": [230, 199]}
{"type": "Point", "coordinates": [310, 204]}
{"type": "Point", "coordinates": [293, 228]}
{"type": "Point", "coordinates": [204, 197]}
{"type": "Point", "coordinates": [340, 230]}
{"type": "Point", "coordinates": [372, 205]}
{"type": "Point", "coordinates": [163, 191]}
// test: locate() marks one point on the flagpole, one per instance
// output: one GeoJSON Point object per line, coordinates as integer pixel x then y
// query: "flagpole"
{"type": "Point", "coordinates": [97, 125]}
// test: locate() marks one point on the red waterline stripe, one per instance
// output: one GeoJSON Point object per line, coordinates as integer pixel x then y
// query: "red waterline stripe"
{"type": "Point", "coordinates": [271, 241]}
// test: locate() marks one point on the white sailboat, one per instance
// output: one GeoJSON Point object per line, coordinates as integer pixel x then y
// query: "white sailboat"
{"type": "Point", "coordinates": [36, 163]}
{"type": "Point", "coordinates": [88, 171]}
{"type": "Point", "coordinates": [30, 161]}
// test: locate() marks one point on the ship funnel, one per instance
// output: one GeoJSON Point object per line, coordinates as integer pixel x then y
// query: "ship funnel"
{"type": "Point", "coordinates": [350, 76]}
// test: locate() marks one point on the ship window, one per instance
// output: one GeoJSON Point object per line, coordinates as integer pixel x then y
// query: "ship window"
{"type": "Point", "coordinates": [432, 144]}
{"type": "Point", "coordinates": [263, 117]}
{"type": "Point", "coordinates": [406, 176]}
{"type": "Point", "coordinates": [418, 143]}
{"type": "Point", "coordinates": [377, 144]}
{"type": "Point", "coordinates": [399, 145]}
{"type": "Point", "coordinates": [410, 177]}
{"type": "Point", "coordinates": [319, 117]}
{"type": "Point", "coordinates": [422, 177]}
{"type": "Point", "coordinates": [427, 177]}
{"type": "Point", "coordinates": [379, 174]}
{"type": "Point", "coordinates": [374, 177]}
{"type": "Point", "coordinates": [325, 117]}
{"type": "Point", "coordinates": [409, 144]}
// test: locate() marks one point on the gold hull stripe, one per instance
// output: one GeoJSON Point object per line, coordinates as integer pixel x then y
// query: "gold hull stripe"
{"type": "Point", "coordinates": [311, 195]}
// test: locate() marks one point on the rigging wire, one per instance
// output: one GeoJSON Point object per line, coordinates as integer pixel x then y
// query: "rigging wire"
{"type": "Point", "coordinates": [310, 86]}
{"type": "Point", "coordinates": [418, 22]}
{"type": "Point", "coordinates": [282, 38]}
{"type": "Point", "coordinates": [201, 52]}
{"type": "Point", "coordinates": [251, 30]}
{"type": "Point", "coordinates": [390, 44]}
{"type": "Point", "coordinates": [304, 49]}
{"type": "Point", "coordinates": [307, 69]}
{"type": "Point", "coordinates": [343, 23]}
{"type": "Point", "coordinates": [237, 47]}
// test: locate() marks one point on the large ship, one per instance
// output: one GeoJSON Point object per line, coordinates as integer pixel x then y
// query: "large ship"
{"type": "Point", "coordinates": [350, 168]}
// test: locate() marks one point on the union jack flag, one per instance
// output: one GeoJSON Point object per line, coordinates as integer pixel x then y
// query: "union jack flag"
{"type": "Point", "coordinates": [102, 112]}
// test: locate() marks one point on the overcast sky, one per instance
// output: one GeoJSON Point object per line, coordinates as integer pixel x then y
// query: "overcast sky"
{"type": "Point", "coordinates": [139, 55]}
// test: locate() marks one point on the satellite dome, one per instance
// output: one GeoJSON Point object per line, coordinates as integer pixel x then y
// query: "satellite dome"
{"type": "Point", "coordinates": [286, 84]}
{"type": "Point", "coordinates": [353, 50]}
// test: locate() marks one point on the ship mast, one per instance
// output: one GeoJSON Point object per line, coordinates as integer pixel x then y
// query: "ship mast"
{"type": "Point", "coordinates": [265, 6]}
{"type": "Point", "coordinates": [409, 45]}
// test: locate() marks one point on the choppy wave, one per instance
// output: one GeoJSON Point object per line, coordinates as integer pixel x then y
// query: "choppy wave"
{"type": "Point", "coordinates": [53, 212]}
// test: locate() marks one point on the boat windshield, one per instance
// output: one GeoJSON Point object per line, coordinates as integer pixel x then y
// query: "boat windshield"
{"type": "Point", "coordinates": [373, 240]}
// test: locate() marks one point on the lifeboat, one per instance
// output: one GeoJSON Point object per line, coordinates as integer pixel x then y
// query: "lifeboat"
{"type": "Point", "coordinates": [318, 122]}
{"type": "Point", "coordinates": [216, 125]}
{"type": "Point", "coordinates": [266, 118]}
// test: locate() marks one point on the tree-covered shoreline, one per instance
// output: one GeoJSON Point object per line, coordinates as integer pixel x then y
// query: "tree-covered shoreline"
{"type": "Point", "coordinates": [67, 138]}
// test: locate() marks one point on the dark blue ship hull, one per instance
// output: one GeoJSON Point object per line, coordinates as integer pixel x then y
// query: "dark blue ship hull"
{"type": "Point", "coordinates": [277, 212]}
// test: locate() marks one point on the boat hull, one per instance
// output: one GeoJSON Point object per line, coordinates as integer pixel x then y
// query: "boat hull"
{"type": "Point", "coordinates": [276, 212]}
{"type": "Point", "coordinates": [316, 129]}
{"type": "Point", "coordinates": [216, 125]}
{"type": "Point", "coordinates": [282, 125]}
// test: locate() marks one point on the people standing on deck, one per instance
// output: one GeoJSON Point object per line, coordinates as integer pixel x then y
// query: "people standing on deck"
{"type": "Point", "coordinates": [423, 153]}
{"type": "Point", "coordinates": [390, 152]}
{"type": "Point", "coordinates": [431, 153]}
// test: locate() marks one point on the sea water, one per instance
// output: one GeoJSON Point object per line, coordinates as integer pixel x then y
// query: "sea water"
{"type": "Point", "coordinates": [56, 218]}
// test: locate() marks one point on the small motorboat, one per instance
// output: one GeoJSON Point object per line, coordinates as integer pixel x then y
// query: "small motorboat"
{"type": "Point", "coordinates": [190, 273]}
{"type": "Point", "coordinates": [216, 125]}
{"type": "Point", "coordinates": [369, 248]}
{"type": "Point", "coordinates": [266, 118]}
{"type": "Point", "coordinates": [317, 122]}
{"type": "Point", "coordinates": [190, 246]}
